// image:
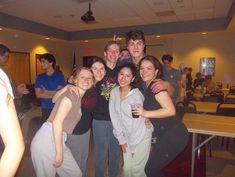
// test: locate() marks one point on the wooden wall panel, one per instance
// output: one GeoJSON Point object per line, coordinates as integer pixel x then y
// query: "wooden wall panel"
{"type": "Point", "coordinates": [18, 67]}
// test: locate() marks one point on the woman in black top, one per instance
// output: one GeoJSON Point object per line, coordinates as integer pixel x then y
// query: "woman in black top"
{"type": "Point", "coordinates": [170, 136]}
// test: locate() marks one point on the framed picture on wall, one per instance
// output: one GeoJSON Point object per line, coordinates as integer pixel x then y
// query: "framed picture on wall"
{"type": "Point", "coordinates": [207, 65]}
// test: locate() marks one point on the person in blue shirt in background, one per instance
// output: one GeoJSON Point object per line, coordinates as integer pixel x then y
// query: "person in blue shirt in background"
{"type": "Point", "coordinates": [48, 83]}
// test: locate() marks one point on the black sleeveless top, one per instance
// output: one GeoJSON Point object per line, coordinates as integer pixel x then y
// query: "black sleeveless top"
{"type": "Point", "coordinates": [160, 124]}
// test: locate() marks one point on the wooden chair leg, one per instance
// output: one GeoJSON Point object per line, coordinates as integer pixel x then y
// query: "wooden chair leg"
{"type": "Point", "coordinates": [222, 141]}
{"type": "Point", "coordinates": [227, 143]}
{"type": "Point", "coordinates": [210, 151]}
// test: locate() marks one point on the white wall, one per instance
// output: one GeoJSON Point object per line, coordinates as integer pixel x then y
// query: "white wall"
{"type": "Point", "coordinates": [63, 51]}
{"type": "Point", "coordinates": [185, 48]}
{"type": "Point", "coordinates": [189, 50]}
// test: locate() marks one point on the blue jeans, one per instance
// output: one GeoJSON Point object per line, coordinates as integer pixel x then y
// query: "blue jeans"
{"type": "Point", "coordinates": [105, 144]}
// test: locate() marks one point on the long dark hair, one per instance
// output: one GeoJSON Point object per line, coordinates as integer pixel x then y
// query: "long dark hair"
{"type": "Point", "coordinates": [133, 70]}
{"type": "Point", "coordinates": [156, 63]}
{"type": "Point", "coordinates": [99, 60]}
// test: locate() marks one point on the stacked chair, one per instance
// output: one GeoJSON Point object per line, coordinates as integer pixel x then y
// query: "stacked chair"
{"type": "Point", "coordinates": [226, 110]}
{"type": "Point", "coordinates": [185, 106]}
{"type": "Point", "coordinates": [214, 97]}
{"type": "Point", "coordinates": [230, 97]}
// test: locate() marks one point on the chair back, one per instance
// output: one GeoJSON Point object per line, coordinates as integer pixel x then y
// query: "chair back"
{"type": "Point", "coordinates": [185, 106]}
{"type": "Point", "coordinates": [214, 97]}
{"type": "Point", "coordinates": [230, 98]}
{"type": "Point", "coordinates": [232, 90]}
{"type": "Point", "coordinates": [226, 109]}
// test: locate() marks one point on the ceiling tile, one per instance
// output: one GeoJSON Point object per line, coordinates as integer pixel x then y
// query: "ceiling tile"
{"type": "Point", "coordinates": [204, 4]}
{"type": "Point", "coordinates": [204, 14]}
{"type": "Point", "coordinates": [185, 16]}
{"type": "Point", "coordinates": [159, 5]}
{"type": "Point", "coordinates": [179, 6]}
{"type": "Point", "coordinates": [222, 7]}
{"type": "Point", "coordinates": [66, 14]}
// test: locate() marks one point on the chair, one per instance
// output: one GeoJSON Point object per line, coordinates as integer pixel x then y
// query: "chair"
{"type": "Point", "coordinates": [185, 106]}
{"type": "Point", "coordinates": [232, 90]}
{"type": "Point", "coordinates": [220, 96]}
{"type": "Point", "coordinates": [230, 98]}
{"type": "Point", "coordinates": [214, 97]}
{"type": "Point", "coordinates": [209, 98]}
{"type": "Point", "coordinates": [226, 110]}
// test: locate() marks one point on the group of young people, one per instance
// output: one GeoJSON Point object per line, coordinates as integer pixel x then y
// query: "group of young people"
{"type": "Point", "coordinates": [101, 97]}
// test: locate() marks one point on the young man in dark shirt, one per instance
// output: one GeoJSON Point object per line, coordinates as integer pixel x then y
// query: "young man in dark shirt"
{"type": "Point", "coordinates": [135, 42]}
{"type": "Point", "coordinates": [104, 141]}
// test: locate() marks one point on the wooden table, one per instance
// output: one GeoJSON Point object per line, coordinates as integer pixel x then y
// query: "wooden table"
{"type": "Point", "coordinates": [224, 90]}
{"type": "Point", "coordinates": [206, 107]}
{"type": "Point", "coordinates": [212, 125]}
{"type": "Point", "coordinates": [198, 95]}
{"type": "Point", "coordinates": [230, 96]}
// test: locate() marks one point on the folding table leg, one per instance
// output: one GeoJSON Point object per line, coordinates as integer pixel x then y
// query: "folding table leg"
{"type": "Point", "coordinates": [194, 138]}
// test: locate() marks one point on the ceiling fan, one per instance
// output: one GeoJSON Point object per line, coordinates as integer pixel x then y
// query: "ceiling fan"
{"type": "Point", "coordinates": [87, 17]}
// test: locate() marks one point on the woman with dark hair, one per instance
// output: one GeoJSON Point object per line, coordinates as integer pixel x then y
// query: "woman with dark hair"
{"type": "Point", "coordinates": [79, 141]}
{"type": "Point", "coordinates": [170, 136]}
{"type": "Point", "coordinates": [130, 130]}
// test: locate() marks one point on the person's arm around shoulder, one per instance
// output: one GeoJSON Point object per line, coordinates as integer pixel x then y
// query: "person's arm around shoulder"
{"type": "Point", "coordinates": [59, 93]}
{"type": "Point", "coordinates": [159, 85]}
{"type": "Point", "coordinates": [167, 107]}
{"type": "Point", "coordinates": [11, 135]}
{"type": "Point", "coordinates": [71, 88]}
{"type": "Point", "coordinates": [63, 109]}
